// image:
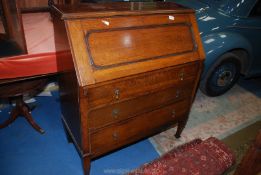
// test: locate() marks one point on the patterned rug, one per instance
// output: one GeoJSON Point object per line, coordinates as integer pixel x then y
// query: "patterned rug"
{"type": "Point", "coordinates": [219, 116]}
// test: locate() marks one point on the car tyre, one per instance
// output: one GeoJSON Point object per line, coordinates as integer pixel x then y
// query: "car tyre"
{"type": "Point", "coordinates": [221, 76]}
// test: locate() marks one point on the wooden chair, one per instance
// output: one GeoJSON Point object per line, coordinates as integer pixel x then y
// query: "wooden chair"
{"type": "Point", "coordinates": [12, 23]}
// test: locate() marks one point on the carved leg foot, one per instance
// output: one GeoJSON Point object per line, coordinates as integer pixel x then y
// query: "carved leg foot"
{"type": "Point", "coordinates": [24, 110]}
{"type": "Point", "coordinates": [26, 113]}
{"type": "Point", "coordinates": [14, 114]}
{"type": "Point", "coordinates": [21, 109]}
{"type": "Point", "coordinates": [86, 165]}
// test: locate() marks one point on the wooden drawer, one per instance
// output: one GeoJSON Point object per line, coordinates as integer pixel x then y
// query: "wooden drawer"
{"type": "Point", "coordinates": [119, 111]}
{"type": "Point", "coordinates": [127, 131]}
{"type": "Point", "coordinates": [139, 85]}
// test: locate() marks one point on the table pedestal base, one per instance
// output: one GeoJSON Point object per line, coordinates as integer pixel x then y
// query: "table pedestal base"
{"type": "Point", "coordinates": [21, 109]}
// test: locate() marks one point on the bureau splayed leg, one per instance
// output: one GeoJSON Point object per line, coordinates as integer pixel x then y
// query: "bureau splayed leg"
{"type": "Point", "coordinates": [181, 125]}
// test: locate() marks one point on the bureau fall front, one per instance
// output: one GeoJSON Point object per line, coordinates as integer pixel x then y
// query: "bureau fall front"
{"type": "Point", "coordinates": [134, 71]}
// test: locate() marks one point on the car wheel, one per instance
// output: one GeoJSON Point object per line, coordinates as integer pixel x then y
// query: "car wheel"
{"type": "Point", "coordinates": [221, 76]}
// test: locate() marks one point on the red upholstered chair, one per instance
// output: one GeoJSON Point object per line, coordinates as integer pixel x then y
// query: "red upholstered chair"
{"type": "Point", "coordinates": [209, 157]}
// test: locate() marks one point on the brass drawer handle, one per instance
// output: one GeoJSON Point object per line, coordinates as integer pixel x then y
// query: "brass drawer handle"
{"type": "Point", "coordinates": [115, 136]}
{"type": "Point", "coordinates": [174, 113]}
{"type": "Point", "coordinates": [181, 75]}
{"type": "Point", "coordinates": [116, 94]}
{"type": "Point", "coordinates": [177, 93]}
{"type": "Point", "coordinates": [115, 113]}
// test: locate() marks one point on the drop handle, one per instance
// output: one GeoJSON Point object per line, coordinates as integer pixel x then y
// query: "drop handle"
{"type": "Point", "coordinates": [177, 93]}
{"type": "Point", "coordinates": [173, 113]}
{"type": "Point", "coordinates": [115, 136]}
{"type": "Point", "coordinates": [115, 113]}
{"type": "Point", "coordinates": [116, 94]}
{"type": "Point", "coordinates": [181, 75]}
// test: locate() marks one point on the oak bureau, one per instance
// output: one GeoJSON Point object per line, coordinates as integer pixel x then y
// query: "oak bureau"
{"type": "Point", "coordinates": [134, 71]}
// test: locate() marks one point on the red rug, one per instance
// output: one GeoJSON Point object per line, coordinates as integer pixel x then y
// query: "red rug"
{"type": "Point", "coordinates": [209, 157]}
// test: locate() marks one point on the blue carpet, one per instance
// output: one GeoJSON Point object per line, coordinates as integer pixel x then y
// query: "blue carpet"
{"type": "Point", "coordinates": [23, 151]}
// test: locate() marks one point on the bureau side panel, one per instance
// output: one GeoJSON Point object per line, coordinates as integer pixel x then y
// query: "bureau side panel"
{"type": "Point", "coordinates": [68, 85]}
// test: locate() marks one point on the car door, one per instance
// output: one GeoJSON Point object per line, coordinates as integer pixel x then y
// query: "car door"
{"type": "Point", "coordinates": [250, 27]}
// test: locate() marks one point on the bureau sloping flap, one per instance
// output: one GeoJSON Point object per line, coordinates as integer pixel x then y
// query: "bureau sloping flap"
{"type": "Point", "coordinates": [106, 48]}
{"type": "Point", "coordinates": [121, 46]}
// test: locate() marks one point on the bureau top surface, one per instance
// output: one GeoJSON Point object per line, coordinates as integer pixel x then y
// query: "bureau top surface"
{"type": "Point", "coordinates": [88, 10]}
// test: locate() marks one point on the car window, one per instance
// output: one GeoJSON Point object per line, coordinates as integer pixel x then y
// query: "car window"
{"type": "Point", "coordinates": [256, 10]}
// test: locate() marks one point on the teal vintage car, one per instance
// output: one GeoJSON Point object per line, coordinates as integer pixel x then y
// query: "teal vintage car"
{"type": "Point", "coordinates": [231, 35]}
